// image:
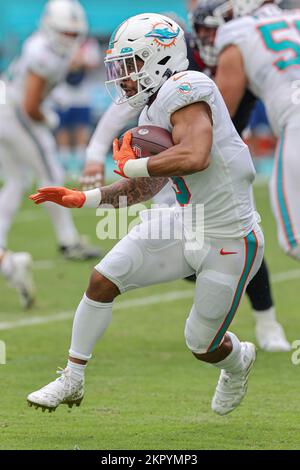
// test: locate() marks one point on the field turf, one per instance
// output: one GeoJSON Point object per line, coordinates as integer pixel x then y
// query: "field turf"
{"type": "Point", "coordinates": [144, 390]}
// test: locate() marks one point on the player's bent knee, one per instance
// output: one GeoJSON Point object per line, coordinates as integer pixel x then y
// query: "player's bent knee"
{"type": "Point", "coordinates": [213, 299]}
{"type": "Point", "coordinates": [101, 289]}
{"type": "Point", "coordinates": [198, 335]}
{"type": "Point", "coordinates": [124, 265]}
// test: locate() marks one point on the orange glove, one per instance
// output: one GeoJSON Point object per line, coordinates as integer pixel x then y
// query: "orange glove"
{"type": "Point", "coordinates": [123, 154]}
{"type": "Point", "coordinates": [64, 197]}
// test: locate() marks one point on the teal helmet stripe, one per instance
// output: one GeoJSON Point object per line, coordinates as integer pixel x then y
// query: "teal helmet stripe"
{"type": "Point", "coordinates": [113, 40]}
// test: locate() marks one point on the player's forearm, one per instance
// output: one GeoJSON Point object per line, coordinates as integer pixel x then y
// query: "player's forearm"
{"type": "Point", "coordinates": [109, 127]}
{"type": "Point", "coordinates": [179, 160]}
{"type": "Point", "coordinates": [136, 190]}
{"type": "Point", "coordinates": [34, 112]}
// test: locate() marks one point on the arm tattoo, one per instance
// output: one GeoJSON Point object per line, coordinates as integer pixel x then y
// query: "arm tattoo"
{"type": "Point", "coordinates": [135, 189]}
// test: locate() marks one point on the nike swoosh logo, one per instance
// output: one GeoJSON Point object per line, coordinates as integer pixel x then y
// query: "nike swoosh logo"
{"type": "Point", "coordinates": [224, 253]}
{"type": "Point", "coordinates": [180, 76]}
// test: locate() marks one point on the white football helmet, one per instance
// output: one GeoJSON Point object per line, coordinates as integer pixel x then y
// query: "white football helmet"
{"type": "Point", "coordinates": [245, 7]}
{"type": "Point", "coordinates": [65, 24]}
{"type": "Point", "coordinates": [148, 49]}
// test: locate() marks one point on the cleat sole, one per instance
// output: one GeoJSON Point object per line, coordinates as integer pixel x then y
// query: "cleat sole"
{"type": "Point", "coordinates": [43, 408]}
{"type": "Point", "coordinates": [76, 403]}
{"type": "Point", "coordinates": [73, 403]}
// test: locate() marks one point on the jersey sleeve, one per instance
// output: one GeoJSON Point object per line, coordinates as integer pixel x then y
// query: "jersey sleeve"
{"type": "Point", "coordinates": [43, 62]}
{"type": "Point", "coordinates": [233, 33]}
{"type": "Point", "coordinates": [186, 88]}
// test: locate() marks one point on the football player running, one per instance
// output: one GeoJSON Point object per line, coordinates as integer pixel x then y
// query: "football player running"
{"type": "Point", "coordinates": [272, 73]}
{"type": "Point", "coordinates": [211, 166]}
{"type": "Point", "coordinates": [26, 141]}
{"type": "Point", "coordinates": [205, 19]}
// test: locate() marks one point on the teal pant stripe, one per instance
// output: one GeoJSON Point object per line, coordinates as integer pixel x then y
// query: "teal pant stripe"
{"type": "Point", "coordinates": [40, 149]}
{"type": "Point", "coordinates": [251, 250]}
{"type": "Point", "coordinates": [286, 220]}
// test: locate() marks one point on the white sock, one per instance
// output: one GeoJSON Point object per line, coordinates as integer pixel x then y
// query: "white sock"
{"type": "Point", "coordinates": [233, 363]}
{"type": "Point", "coordinates": [6, 265]}
{"type": "Point", "coordinates": [265, 316]}
{"type": "Point", "coordinates": [77, 370]}
{"type": "Point", "coordinates": [90, 322]}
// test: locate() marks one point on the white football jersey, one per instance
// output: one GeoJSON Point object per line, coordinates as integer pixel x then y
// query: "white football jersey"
{"type": "Point", "coordinates": [224, 188]}
{"type": "Point", "coordinates": [270, 45]}
{"type": "Point", "coordinates": [38, 57]}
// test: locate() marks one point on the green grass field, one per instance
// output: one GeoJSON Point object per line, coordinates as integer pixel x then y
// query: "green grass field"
{"type": "Point", "coordinates": [144, 390]}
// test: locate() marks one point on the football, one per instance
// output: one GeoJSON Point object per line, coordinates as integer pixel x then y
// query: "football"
{"type": "Point", "coordinates": [149, 140]}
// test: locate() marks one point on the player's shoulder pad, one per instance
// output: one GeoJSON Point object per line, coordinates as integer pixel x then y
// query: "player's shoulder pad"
{"type": "Point", "coordinates": [185, 88]}
{"type": "Point", "coordinates": [234, 32]}
{"type": "Point", "coordinates": [41, 59]}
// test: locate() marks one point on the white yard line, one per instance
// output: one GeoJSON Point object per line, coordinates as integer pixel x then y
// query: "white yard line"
{"type": "Point", "coordinates": [126, 304]}
{"type": "Point", "coordinates": [30, 215]}
{"type": "Point", "coordinates": [132, 303]}
{"type": "Point", "coordinates": [44, 264]}
{"type": "Point", "coordinates": [285, 276]}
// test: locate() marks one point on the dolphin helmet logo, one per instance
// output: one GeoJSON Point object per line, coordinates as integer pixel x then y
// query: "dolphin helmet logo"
{"type": "Point", "coordinates": [163, 35]}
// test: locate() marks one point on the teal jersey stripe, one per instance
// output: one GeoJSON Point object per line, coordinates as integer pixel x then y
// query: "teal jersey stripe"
{"type": "Point", "coordinates": [251, 250]}
{"type": "Point", "coordinates": [282, 203]}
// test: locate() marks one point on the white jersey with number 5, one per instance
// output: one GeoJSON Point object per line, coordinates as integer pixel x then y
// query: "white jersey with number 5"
{"type": "Point", "coordinates": [224, 188]}
{"type": "Point", "coordinates": [270, 45]}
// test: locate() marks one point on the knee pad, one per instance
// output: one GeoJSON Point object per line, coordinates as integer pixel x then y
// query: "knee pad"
{"type": "Point", "coordinates": [295, 252]}
{"type": "Point", "coordinates": [198, 335]}
{"type": "Point", "coordinates": [120, 266]}
{"type": "Point", "coordinates": [213, 299]}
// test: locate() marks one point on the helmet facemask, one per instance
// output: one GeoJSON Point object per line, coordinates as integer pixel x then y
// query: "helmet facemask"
{"type": "Point", "coordinates": [134, 66]}
{"type": "Point", "coordinates": [205, 40]}
{"type": "Point", "coordinates": [205, 21]}
{"type": "Point", "coordinates": [65, 24]}
{"type": "Point", "coordinates": [64, 42]}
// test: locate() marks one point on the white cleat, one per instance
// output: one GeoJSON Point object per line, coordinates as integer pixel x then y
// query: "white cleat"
{"type": "Point", "coordinates": [271, 337]}
{"type": "Point", "coordinates": [63, 391]}
{"type": "Point", "coordinates": [232, 388]}
{"type": "Point", "coordinates": [21, 277]}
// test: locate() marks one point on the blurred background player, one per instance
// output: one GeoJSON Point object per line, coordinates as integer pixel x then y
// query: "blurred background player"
{"type": "Point", "coordinates": [270, 72]}
{"type": "Point", "coordinates": [72, 101]}
{"type": "Point", "coordinates": [26, 139]}
{"type": "Point", "coordinates": [205, 19]}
